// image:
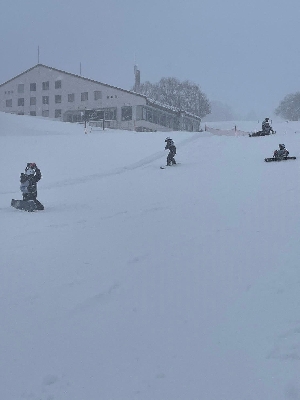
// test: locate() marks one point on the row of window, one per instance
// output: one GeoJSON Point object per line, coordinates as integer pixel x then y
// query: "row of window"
{"type": "Point", "coordinates": [32, 86]}
{"type": "Point", "coordinates": [57, 99]}
{"type": "Point", "coordinates": [109, 114]}
{"type": "Point", "coordinates": [157, 117]}
{"type": "Point", "coordinates": [45, 113]}
{"type": "Point", "coordinates": [126, 115]}
{"type": "Point", "coordinates": [165, 119]}
{"type": "Point", "coordinates": [45, 86]}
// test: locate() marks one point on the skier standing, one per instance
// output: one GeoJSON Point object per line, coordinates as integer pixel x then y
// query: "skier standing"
{"type": "Point", "coordinates": [172, 151]}
{"type": "Point", "coordinates": [28, 186]}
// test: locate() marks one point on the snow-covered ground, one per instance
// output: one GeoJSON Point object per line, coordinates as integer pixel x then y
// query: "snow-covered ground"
{"type": "Point", "coordinates": [150, 284]}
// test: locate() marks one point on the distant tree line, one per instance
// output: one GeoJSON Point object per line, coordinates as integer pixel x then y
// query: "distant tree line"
{"type": "Point", "coordinates": [220, 112]}
{"type": "Point", "coordinates": [186, 96]}
{"type": "Point", "coordinates": [289, 107]}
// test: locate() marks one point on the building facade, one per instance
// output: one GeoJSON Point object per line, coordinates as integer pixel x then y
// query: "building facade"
{"type": "Point", "coordinates": [52, 93]}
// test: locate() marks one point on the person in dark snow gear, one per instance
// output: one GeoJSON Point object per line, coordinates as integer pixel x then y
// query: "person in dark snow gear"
{"type": "Point", "coordinates": [282, 152]}
{"type": "Point", "coordinates": [28, 186]}
{"type": "Point", "coordinates": [266, 127]}
{"type": "Point", "coordinates": [172, 151]}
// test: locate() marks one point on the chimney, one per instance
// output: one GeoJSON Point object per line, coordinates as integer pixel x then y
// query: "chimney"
{"type": "Point", "coordinates": [137, 79]}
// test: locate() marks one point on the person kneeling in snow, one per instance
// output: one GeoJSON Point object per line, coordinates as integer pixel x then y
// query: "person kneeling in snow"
{"type": "Point", "coordinates": [172, 151]}
{"type": "Point", "coordinates": [266, 127]}
{"type": "Point", "coordinates": [29, 180]}
{"type": "Point", "coordinates": [282, 152]}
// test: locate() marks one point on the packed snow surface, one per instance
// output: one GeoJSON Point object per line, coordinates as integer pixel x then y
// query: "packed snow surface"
{"type": "Point", "coordinates": [137, 283]}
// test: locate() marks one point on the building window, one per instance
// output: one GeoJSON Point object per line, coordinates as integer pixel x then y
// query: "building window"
{"type": "Point", "coordinates": [84, 96]}
{"type": "Point", "coordinates": [33, 87]}
{"type": "Point", "coordinates": [33, 113]}
{"type": "Point", "coordinates": [21, 101]}
{"type": "Point", "coordinates": [58, 98]}
{"type": "Point", "coordinates": [149, 115]}
{"type": "Point", "coordinates": [45, 85]}
{"type": "Point", "coordinates": [71, 97]}
{"type": "Point", "coordinates": [21, 113]}
{"type": "Point", "coordinates": [45, 99]}
{"type": "Point", "coordinates": [126, 113]}
{"type": "Point", "coordinates": [21, 88]}
{"type": "Point", "coordinates": [169, 121]}
{"type": "Point", "coordinates": [144, 115]}
{"type": "Point", "coordinates": [57, 84]}
{"type": "Point", "coordinates": [32, 101]}
{"type": "Point", "coordinates": [45, 113]}
{"type": "Point", "coordinates": [9, 103]}
{"type": "Point", "coordinates": [97, 95]}
{"type": "Point", "coordinates": [163, 120]}
{"type": "Point", "coordinates": [57, 113]}
{"type": "Point", "coordinates": [110, 114]}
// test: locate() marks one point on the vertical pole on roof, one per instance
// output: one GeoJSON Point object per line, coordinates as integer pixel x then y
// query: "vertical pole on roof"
{"type": "Point", "coordinates": [80, 69]}
{"type": "Point", "coordinates": [38, 54]}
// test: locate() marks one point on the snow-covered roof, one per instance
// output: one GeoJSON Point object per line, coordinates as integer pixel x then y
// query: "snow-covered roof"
{"type": "Point", "coordinates": [171, 108]}
{"type": "Point", "coordinates": [71, 74]}
{"type": "Point", "coordinates": [148, 100]}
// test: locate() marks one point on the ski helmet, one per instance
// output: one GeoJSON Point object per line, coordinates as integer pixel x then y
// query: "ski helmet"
{"type": "Point", "coordinates": [31, 165]}
{"type": "Point", "coordinates": [282, 146]}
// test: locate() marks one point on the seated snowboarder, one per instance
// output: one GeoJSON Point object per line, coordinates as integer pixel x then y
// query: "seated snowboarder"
{"type": "Point", "coordinates": [172, 151]}
{"type": "Point", "coordinates": [266, 128]}
{"type": "Point", "coordinates": [28, 186]}
{"type": "Point", "coordinates": [282, 152]}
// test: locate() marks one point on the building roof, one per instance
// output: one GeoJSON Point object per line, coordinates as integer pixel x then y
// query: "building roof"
{"type": "Point", "coordinates": [166, 107]}
{"type": "Point", "coordinates": [148, 100]}
{"type": "Point", "coordinates": [74, 75]}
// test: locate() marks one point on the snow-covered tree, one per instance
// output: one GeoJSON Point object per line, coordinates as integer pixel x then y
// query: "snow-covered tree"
{"type": "Point", "coordinates": [289, 107]}
{"type": "Point", "coordinates": [186, 96]}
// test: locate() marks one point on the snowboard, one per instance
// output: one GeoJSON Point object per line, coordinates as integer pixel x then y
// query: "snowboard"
{"type": "Point", "coordinates": [279, 159]}
{"type": "Point", "coordinates": [26, 205]}
{"type": "Point", "coordinates": [167, 166]}
{"type": "Point", "coordinates": [259, 133]}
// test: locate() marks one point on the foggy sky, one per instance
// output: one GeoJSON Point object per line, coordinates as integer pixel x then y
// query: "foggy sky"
{"type": "Point", "coordinates": [243, 53]}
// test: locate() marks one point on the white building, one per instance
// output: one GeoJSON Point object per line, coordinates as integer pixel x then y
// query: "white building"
{"type": "Point", "coordinates": [49, 92]}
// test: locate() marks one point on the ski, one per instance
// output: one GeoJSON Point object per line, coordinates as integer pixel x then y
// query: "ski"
{"type": "Point", "coordinates": [279, 159]}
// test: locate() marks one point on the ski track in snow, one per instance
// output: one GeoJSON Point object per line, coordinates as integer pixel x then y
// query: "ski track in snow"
{"type": "Point", "coordinates": [130, 167]}
{"type": "Point", "coordinates": [69, 294]}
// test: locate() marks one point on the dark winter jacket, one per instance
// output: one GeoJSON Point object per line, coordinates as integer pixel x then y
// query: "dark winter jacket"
{"type": "Point", "coordinates": [281, 153]}
{"type": "Point", "coordinates": [266, 127]}
{"type": "Point", "coordinates": [29, 182]}
{"type": "Point", "coordinates": [170, 146]}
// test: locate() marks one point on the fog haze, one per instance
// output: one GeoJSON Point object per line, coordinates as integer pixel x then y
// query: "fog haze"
{"type": "Point", "coordinates": [242, 53]}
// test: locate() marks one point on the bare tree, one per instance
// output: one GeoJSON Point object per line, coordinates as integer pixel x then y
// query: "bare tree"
{"type": "Point", "coordinates": [186, 96]}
